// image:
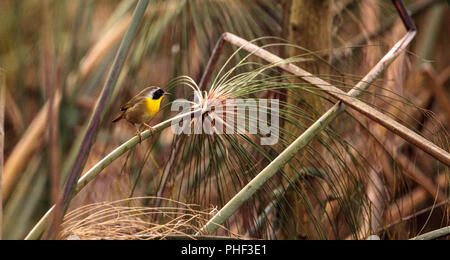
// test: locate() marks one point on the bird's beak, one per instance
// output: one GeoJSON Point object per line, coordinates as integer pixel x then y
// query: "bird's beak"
{"type": "Point", "coordinates": [165, 93]}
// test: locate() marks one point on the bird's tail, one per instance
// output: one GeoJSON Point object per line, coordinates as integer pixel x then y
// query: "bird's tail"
{"type": "Point", "coordinates": [118, 117]}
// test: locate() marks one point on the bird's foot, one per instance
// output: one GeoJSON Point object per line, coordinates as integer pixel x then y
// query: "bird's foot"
{"type": "Point", "coordinates": [138, 133]}
{"type": "Point", "coordinates": [149, 127]}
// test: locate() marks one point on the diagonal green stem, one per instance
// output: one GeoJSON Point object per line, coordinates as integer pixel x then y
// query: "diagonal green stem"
{"type": "Point", "coordinates": [303, 140]}
{"type": "Point", "coordinates": [351, 101]}
{"type": "Point", "coordinates": [96, 169]}
{"type": "Point", "coordinates": [97, 116]}
{"type": "Point", "coordinates": [272, 168]}
{"type": "Point", "coordinates": [445, 231]}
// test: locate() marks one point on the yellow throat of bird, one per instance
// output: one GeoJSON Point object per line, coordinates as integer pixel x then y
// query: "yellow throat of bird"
{"type": "Point", "coordinates": [152, 105]}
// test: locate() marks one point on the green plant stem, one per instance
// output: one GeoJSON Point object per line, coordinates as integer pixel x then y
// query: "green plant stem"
{"type": "Point", "coordinates": [303, 140]}
{"type": "Point", "coordinates": [433, 234]}
{"type": "Point", "coordinates": [353, 102]}
{"type": "Point", "coordinates": [96, 169]}
{"type": "Point", "coordinates": [272, 168]}
{"type": "Point", "coordinates": [97, 116]}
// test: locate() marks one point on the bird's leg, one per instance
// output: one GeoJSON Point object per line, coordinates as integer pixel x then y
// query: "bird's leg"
{"type": "Point", "coordinates": [149, 127]}
{"type": "Point", "coordinates": [138, 132]}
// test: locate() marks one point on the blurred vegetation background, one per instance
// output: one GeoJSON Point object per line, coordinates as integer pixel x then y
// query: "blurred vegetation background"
{"type": "Point", "coordinates": [353, 181]}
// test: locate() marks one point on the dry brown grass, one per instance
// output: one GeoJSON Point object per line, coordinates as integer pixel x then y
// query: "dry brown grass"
{"type": "Point", "coordinates": [125, 220]}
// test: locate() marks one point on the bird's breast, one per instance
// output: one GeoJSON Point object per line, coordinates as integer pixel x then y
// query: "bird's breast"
{"type": "Point", "coordinates": [152, 106]}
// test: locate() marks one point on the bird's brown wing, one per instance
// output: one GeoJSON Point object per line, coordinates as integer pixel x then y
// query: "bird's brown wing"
{"type": "Point", "coordinates": [132, 102]}
{"type": "Point", "coordinates": [136, 99]}
{"type": "Point", "coordinates": [129, 105]}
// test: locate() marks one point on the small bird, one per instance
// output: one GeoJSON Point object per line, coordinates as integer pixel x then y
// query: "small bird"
{"type": "Point", "coordinates": [142, 108]}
